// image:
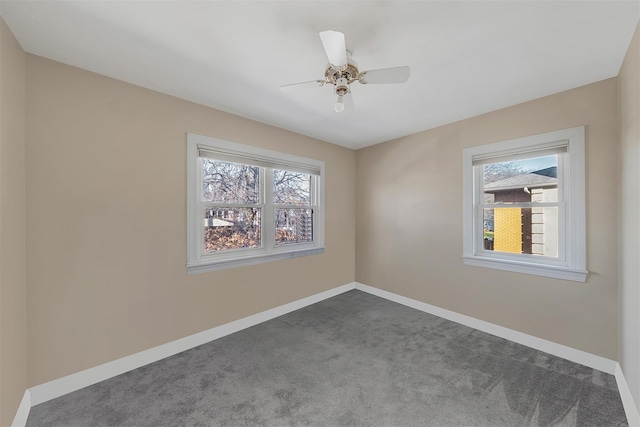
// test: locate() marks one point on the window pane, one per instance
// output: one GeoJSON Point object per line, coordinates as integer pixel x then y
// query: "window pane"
{"type": "Point", "coordinates": [528, 180]}
{"type": "Point", "coordinates": [291, 188]}
{"type": "Point", "coordinates": [294, 226]}
{"type": "Point", "coordinates": [521, 230]}
{"type": "Point", "coordinates": [231, 228]}
{"type": "Point", "coordinates": [225, 182]}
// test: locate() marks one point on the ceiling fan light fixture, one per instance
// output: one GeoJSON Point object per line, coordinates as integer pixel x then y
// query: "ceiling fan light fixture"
{"type": "Point", "coordinates": [343, 70]}
{"type": "Point", "coordinates": [342, 88]}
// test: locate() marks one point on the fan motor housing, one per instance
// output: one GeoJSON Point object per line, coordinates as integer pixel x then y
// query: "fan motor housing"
{"type": "Point", "coordinates": [349, 72]}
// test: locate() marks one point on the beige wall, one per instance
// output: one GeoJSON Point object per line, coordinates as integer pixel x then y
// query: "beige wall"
{"type": "Point", "coordinates": [13, 320]}
{"type": "Point", "coordinates": [629, 95]}
{"type": "Point", "coordinates": [106, 221]}
{"type": "Point", "coordinates": [409, 229]}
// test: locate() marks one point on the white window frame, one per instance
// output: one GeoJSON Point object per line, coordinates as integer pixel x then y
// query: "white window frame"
{"type": "Point", "coordinates": [571, 261]}
{"type": "Point", "coordinates": [197, 260]}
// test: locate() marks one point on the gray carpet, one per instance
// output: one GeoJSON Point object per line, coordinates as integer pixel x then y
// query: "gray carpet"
{"type": "Point", "coordinates": [354, 359]}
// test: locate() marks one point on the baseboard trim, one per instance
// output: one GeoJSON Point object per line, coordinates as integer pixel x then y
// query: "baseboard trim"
{"type": "Point", "coordinates": [578, 356]}
{"type": "Point", "coordinates": [22, 414]}
{"type": "Point", "coordinates": [61, 386]}
{"type": "Point", "coordinates": [630, 408]}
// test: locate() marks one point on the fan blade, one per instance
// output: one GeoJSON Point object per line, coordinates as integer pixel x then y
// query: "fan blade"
{"type": "Point", "coordinates": [335, 46]}
{"type": "Point", "coordinates": [349, 105]}
{"type": "Point", "coordinates": [386, 75]}
{"type": "Point", "coordinates": [295, 86]}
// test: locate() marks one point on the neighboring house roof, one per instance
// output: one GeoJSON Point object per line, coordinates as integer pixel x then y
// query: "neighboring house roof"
{"type": "Point", "coordinates": [550, 171]}
{"type": "Point", "coordinates": [542, 178]}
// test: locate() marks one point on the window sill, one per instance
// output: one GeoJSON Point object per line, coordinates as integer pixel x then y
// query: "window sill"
{"type": "Point", "coordinates": [224, 264]}
{"type": "Point", "coordinates": [528, 268]}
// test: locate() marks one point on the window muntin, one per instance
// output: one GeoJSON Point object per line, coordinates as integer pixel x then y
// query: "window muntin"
{"type": "Point", "coordinates": [248, 205]}
{"type": "Point", "coordinates": [519, 206]}
{"type": "Point", "coordinates": [545, 214]}
{"type": "Point", "coordinates": [231, 222]}
{"type": "Point", "coordinates": [228, 192]}
{"type": "Point", "coordinates": [292, 198]}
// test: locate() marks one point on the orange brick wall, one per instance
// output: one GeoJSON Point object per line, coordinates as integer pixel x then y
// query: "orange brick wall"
{"type": "Point", "coordinates": [507, 230]}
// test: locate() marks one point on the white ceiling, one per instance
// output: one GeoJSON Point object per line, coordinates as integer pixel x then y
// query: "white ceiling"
{"type": "Point", "coordinates": [466, 58]}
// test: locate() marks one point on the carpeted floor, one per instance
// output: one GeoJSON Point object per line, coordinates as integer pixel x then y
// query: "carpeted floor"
{"type": "Point", "coordinates": [354, 359]}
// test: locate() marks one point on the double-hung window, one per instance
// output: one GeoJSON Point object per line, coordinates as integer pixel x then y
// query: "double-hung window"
{"type": "Point", "coordinates": [248, 205]}
{"type": "Point", "coordinates": [524, 205]}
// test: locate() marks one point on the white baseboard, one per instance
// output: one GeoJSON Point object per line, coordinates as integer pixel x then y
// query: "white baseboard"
{"type": "Point", "coordinates": [630, 408]}
{"type": "Point", "coordinates": [578, 356]}
{"type": "Point", "coordinates": [23, 411]}
{"type": "Point", "coordinates": [61, 386]}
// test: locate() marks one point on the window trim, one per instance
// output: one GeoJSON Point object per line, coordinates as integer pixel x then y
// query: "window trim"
{"type": "Point", "coordinates": [571, 264]}
{"type": "Point", "coordinates": [197, 261]}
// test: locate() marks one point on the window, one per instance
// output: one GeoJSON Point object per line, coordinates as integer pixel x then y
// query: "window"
{"type": "Point", "coordinates": [247, 205]}
{"type": "Point", "coordinates": [524, 205]}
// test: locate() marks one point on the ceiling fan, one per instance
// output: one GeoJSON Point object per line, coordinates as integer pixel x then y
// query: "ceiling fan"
{"type": "Point", "coordinates": [343, 70]}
